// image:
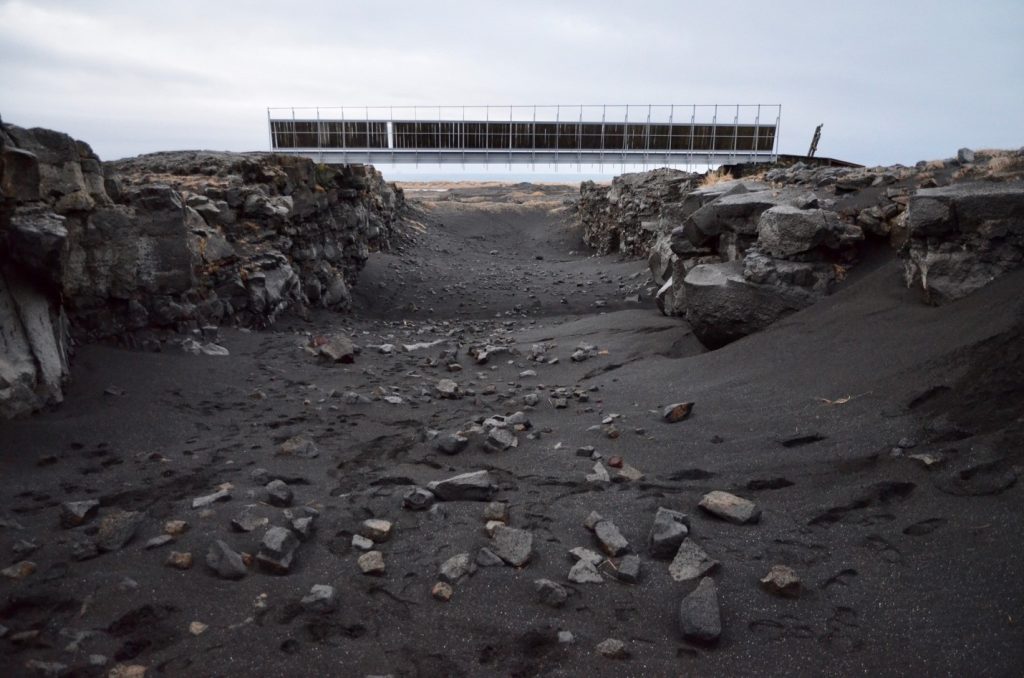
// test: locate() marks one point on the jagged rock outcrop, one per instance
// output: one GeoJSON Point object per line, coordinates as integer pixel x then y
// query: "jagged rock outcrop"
{"type": "Point", "coordinates": [33, 328]}
{"type": "Point", "coordinates": [629, 215]}
{"type": "Point", "coordinates": [793, 231]}
{"type": "Point", "coordinates": [169, 241]}
{"type": "Point", "coordinates": [747, 257]}
{"type": "Point", "coordinates": [733, 256]}
{"type": "Point", "coordinates": [963, 237]}
{"type": "Point", "coordinates": [266, 232]}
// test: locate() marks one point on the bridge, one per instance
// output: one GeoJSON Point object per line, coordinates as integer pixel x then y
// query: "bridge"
{"type": "Point", "coordinates": [602, 134]}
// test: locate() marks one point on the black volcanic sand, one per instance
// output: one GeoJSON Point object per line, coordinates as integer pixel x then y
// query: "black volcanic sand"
{"type": "Point", "coordinates": [907, 569]}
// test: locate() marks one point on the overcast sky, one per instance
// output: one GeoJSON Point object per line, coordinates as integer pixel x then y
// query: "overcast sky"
{"type": "Point", "coordinates": [892, 81]}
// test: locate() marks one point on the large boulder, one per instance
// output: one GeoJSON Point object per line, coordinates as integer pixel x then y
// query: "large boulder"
{"type": "Point", "coordinates": [722, 305]}
{"type": "Point", "coordinates": [962, 237]}
{"type": "Point", "coordinates": [735, 212]}
{"type": "Point", "coordinates": [784, 231]}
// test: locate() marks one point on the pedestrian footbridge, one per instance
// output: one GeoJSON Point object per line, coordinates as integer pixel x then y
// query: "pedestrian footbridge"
{"type": "Point", "coordinates": [530, 135]}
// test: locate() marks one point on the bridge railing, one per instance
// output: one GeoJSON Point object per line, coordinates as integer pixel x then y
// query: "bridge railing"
{"type": "Point", "coordinates": [668, 134]}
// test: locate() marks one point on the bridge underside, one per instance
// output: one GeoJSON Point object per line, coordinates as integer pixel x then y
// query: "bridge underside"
{"type": "Point", "coordinates": [512, 141]}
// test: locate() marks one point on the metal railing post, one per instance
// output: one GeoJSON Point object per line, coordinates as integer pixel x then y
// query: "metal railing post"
{"type": "Point", "coordinates": [778, 126]}
{"type": "Point", "coordinates": [604, 110]}
{"type": "Point", "coordinates": [295, 137]}
{"type": "Point", "coordinates": [344, 137]}
{"type": "Point", "coordinates": [647, 136]}
{"type": "Point", "coordinates": [625, 137]}
{"type": "Point", "coordinates": [756, 145]}
{"type": "Point", "coordinates": [693, 122]}
{"type": "Point", "coordinates": [270, 129]}
{"type": "Point", "coordinates": [533, 144]}
{"type": "Point", "coordinates": [671, 132]}
{"type": "Point", "coordinates": [558, 130]}
{"type": "Point", "coordinates": [511, 132]}
{"type": "Point", "coordinates": [579, 141]}
{"type": "Point", "coordinates": [735, 133]}
{"type": "Point", "coordinates": [319, 138]}
{"type": "Point", "coordinates": [714, 134]}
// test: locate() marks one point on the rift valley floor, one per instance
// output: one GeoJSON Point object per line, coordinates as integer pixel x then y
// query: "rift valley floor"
{"type": "Point", "coordinates": [881, 439]}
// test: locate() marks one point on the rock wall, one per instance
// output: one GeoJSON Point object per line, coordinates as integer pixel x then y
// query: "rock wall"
{"type": "Point", "coordinates": [628, 216]}
{"type": "Point", "coordinates": [964, 236]}
{"type": "Point", "coordinates": [169, 241]}
{"type": "Point", "coordinates": [33, 328]}
{"type": "Point", "coordinates": [734, 256]}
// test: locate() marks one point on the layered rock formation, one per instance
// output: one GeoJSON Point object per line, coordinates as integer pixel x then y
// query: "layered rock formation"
{"type": "Point", "coordinates": [963, 237]}
{"type": "Point", "coordinates": [33, 329]}
{"type": "Point", "coordinates": [734, 256]}
{"type": "Point", "coordinates": [629, 215]}
{"type": "Point", "coordinates": [170, 241]}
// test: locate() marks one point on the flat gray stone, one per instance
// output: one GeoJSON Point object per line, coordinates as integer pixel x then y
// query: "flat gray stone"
{"type": "Point", "coordinates": [700, 619]}
{"type": "Point", "coordinates": [500, 439]}
{"type": "Point", "coordinates": [225, 561]}
{"type": "Point", "coordinates": [613, 648]}
{"type": "Point", "coordinates": [485, 557]}
{"type": "Point", "coordinates": [580, 553]}
{"type": "Point", "coordinates": [372, 563]}
{"type": "Point", "coordinates": [731, 508]}
{"type": "Point", "coordinates": [611, 540]}
{"type": "Point", "coordinates": [117, 529]}
{"type": "Point", "coordinates": [669, 530]}
{"type": "Point", "coordinates": [551, 593]}
{"type": "Point", "coordinates": [248, 520]}
{"type": "Point", "coordinates": [75, 513]}
{"type": "Point", "coordinates": [418, 499]}
{"type": "Point", "coordinates": [629, 569]}
{"type": "Point", "coordinates": [279, 494]}
{"type": "Point", "coordinates": [456, 567]}
{"type": "Point", "coordinates": [585, 572]}
{"type": "Point", "coordinates": [782, 581]}
{"type": "Point", "coordinates": [691, 562]}
{"type": "Point", "coordinates": [447, 388]}
{"type": "Point", "coordinates": [321, 598]}
{"type": "Point", "coordinates": [159, 541]}
{"type": "Point", "coordinates": [277, 550]}
{"type": "Point", "coordinates": [513, 545]}
{"type": "Point", "coordinates": [206, 500]}
{"type": "Point", "coordinates": [299, 446]}
{"type": "Point", "coordinates": [451, 443]}
{"type": "Point", "coordinates": [377, 529]}
{"type": "Point", "coordinates": [496, 510]}
{"type": "Point", "coordinates": [473, 486]}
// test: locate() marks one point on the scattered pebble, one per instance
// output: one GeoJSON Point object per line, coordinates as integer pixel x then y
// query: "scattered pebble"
{"type": "Point", "coordinates": [782, 581]}
{"type": "Point", "coordinates": [731, 508]}
{"type": "Point", "coordinates": [372, 563]}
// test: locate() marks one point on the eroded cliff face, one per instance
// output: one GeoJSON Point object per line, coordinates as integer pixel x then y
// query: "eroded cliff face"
{"type": "Point", "coordinates": [733, 256]}
{"type": "Point", "coordinates": [33, 328]}
{"type": "Point", "coordinates": [168, 242]}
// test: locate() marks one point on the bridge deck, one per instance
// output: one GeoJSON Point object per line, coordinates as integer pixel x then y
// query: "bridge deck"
{"type": "Point", "coordinates": [341, 138]}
